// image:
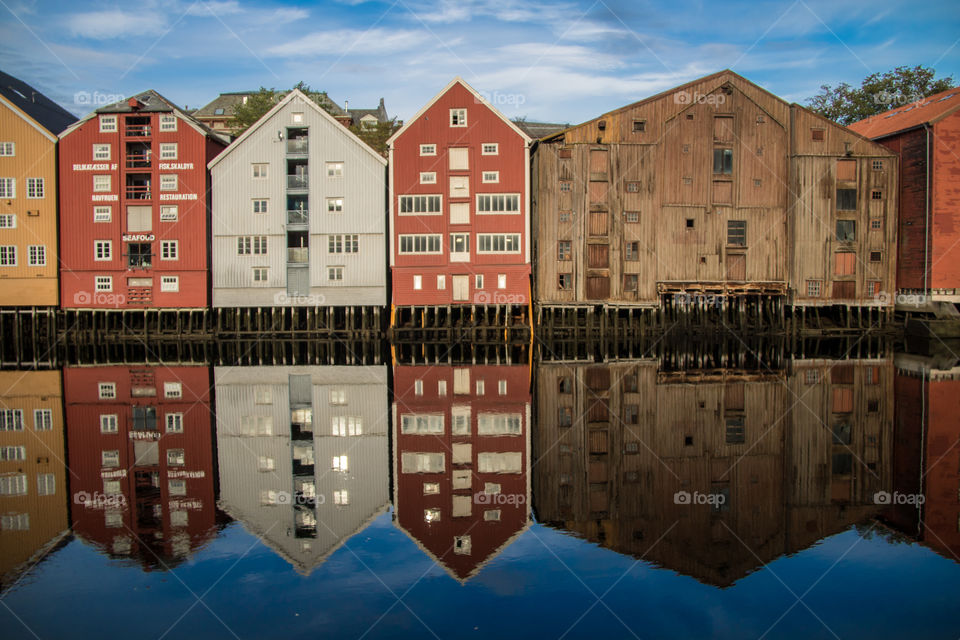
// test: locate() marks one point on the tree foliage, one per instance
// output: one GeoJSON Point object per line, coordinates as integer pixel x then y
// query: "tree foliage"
{"type": "Point", "coordinates": [245, 115]}
{"type": "Point", "coordinates": [877, 93]}
{"type": "Point", "coordinates": [376, 137]}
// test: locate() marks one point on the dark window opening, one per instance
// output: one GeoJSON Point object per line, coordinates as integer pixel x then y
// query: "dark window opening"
{"type": "Point", "coordinates": [737, 233]}
{"type": "Point", "coordinates": [139, 255]}
{"type": "Point", "coordinates": [689, 223]}
{"type": "Point", "coordinates": [846, 230]}
{"type": "Point", "coordinates": [639, 126]}
{"type": "Point", "coordinates": [846, 199]}
{"type": "Point", "coordinates": [723, 161]}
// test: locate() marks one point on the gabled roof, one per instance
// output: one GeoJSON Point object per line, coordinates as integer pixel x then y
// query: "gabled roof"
{"type": "Point", "coordinates": [540, 129]}
{"type": "Point", "coordinates": [380, 113]}
{"type": "Point", "coordinates": [44, 111]}
{"type": "Point", "coordinates": [477, 97]}
{"type": "Point", "coordinates": [280, 105]}
{"type": "Point", "coordinates": [225, 101]}
{"type": "Point", "coordinates": [151, 102]}
{"type": "Point", "coordinates": [908, 116]}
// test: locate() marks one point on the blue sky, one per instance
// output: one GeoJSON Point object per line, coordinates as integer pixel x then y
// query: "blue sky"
{"type": "Point", "coordinates": [564, 61]}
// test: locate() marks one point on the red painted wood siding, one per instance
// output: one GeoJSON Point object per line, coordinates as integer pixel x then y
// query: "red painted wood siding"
{"type": "Point", "coordinates": [433, 127]}
{"type": "Point", "coordinates": [945, 186]}
{"type": "Point", "coordinates": [78, 230]}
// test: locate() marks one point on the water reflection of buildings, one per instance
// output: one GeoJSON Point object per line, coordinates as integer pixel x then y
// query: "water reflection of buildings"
{"type": "Point", "coordinates": [927, 458]}
{"type": "Point", "coordinates": [141, 460]}
{"type": "Point", "coordinates": [461, 460]}
{"type": "Point", "coordinates": [303, 454]}
{"type": "Point", "coordinates": [776, 460]}
{"type": "Point", "coordinates": [33, 501]}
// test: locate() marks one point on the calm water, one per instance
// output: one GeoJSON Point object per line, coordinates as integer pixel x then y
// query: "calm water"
{"type": "Point", "coordinates": [647, 497]}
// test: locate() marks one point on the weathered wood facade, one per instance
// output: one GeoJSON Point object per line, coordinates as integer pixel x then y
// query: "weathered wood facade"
{"type": "Point", "coordinates": [716, 188]}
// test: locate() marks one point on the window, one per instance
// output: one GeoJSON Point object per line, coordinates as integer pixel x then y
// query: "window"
{"type": "Point", "coordinates": [46, 484]}
{"type": "Point", "coordinates": [168, 182]}
{"type": "Point", "coordinates": [7, 149]}
{"type": "Point", "coordinates": [846, 230]}
{"type": "Point", "coordinates": [168, 151]}
{"type": "Point", "coordinates": [176, 488]}
{"type": "Point", "coordinates": [490, 148]}
{"type": "Point", "coordinates": [418, 282]}
{"type": "Point", "coordinates": [13, 485]}
{"type": "Point", "coordinates": [43, 419]}
{"type": "Point", "coordinates": [260, 205]}
{"type": "Point", "coordinates": [108, 423]}
{"type": "Point", "coordinates": [101, 184]}
{"type": "Point", "coordinates": [876, 223]}
{"type": "Point", "coordinates": [36, 255]}
{"type": "Point", "coordinates": [490, 177]}
{"type": "Point", "coordinates": [498, 203]}
{"type": "Point", "coordinates": [631, 282]}
{"type": "Point", "coordinates": [13, 453]}
{"type": "Point", "coordinates": [8, 255]}
{"type": "Point", "coordinates": [875, 256]}
{"type": "Point", "coordinates": [34, 188]}
{"type": "Point", "coordinates": [481, 387]}
{"type": "Point", "coordinates": [723, 162]}
{"type": "Point", "coordinates": [565, 282]}
{"type": "Point", "coordinates": [297, 117]}
{"type": "Point", "coordinates": [102, 250]}
{"type": "Point", "coordinates": [631, 216]}
{"type": "Point", "coordinates": [338, 397]}
{"type": "Point", "coordinates": [873, 288]}
{"type": "Point", "coordinates": [340, 463]}
{"type": "Point", "coordinates": [349, 243]}
{"type": "Point", "coordinates": [498, 243]}
{"type": "Point", "coordinates": [334, 205]}
{"type": "Point", "coordinates": [334, 169]}
{"type": "Point", "coordinates": [259, 274]}
{"type": "Point", "coordinates": [564, 250]}
{"type": "Point", "coordinates": [335, 274]}
{"type": "Point", "coordinates": [817, 134]}
{"type": "Point", "coordinates": [428, 177]}
{"type": "Point", "coordinates": [565, 185]}
{"type": "Point", "coordinates": [814, 288]}
{"type": "Point", "coordinates": [413, 205]}
{"type": "Point", "coordinates": [565, 216]}
{"type": "Point", "coordinates": [168, 122]}
{"type": "Point", "coordinates": [633, 187]}
{"type": "Point", "coordinates": [11, 420]}
{"type": "Point", "coordinates": [174, 423]}
{"type": "Point", "coordinates": [175, 457]}
{"type": "Point", "coordinates": [441, 285]}
{"type": "Point", "coordinates": [421, 243]}
{"type": "Point", "coordinates": [259, 170]}
{"type": "Point", "coordinates": [631, 251]}
{"type": "Point", "coordinates": [502, 390]}
{"type": "Point", "coordinates": [169, 213]}
{"type": "Point", "coordinates": [110, 458]}
{"type": "Point", "coordinates": [418, 387]}
{"type": "Point", "coordinates": [421, 424]}
{"type": "Point", "coordinates": [428, 149]}
{"type": "Point", "coordinates": [172, 390]}
{"type": "Point", "coordinates": [478, 281]}
{"type": "Point", "coordinates": [346, 426]}
{"type": "Point", "coordinates": [252, 245]}
{"type": "Point", "coordinates": [737, 233]}
{"type": "Point", "coordinates": [458, 117]}
{"type": "Point", "coordinates": [8, 187]}
{"type": "Point", "coordinates": [104, 283]}
{"type": "Point", "coordinates": [501, 281]}
{"type": "Point", "coordinates": [168, 249]}
{"type": "Point", "coordinates": [170, 283]}
{"type": "Point", "coordinates": [102, 214]}
{"type": "Point", "coordinates": [846, 199]}
{"type": "Point", "coordinates": [8, 221]}
{"type": "Point", "coordinates": [341, 497]}
{"type": "Point", "coordinates": [266, 463]}
{"type": "Point", "coordinates": [108, 124]}
{"type": "Point", "coordinates": [639, 126]}
{"type": "Point", "coordinates": [877, 165]}
{"type": "Point", "coordinates": [431, 488]}
{"type": "Point", "coordinates": [460, 244]}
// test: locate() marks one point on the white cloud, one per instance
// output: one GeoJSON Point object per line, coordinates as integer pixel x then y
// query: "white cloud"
{"type": "Point", "coordinates": [352, 41]}
{"type": "Point", "coordinates": [104, 25]}
{"type": "Point", "coordinates": [216, 7]}
{"type": "Point", "coordinates": [288, 14]}
{"type": "Point", "coordinates": [543, 54]}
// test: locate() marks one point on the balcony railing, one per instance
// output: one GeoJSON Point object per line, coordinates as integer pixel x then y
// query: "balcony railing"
{"type": "Point", "coordinates": [138, 161]}
{"type": "Point", "coordinates": [140, 261]}
{"type": "Point", "coordinates": [138, 192]}
{"type": "Point", "coordinates": [298, 216]}
{"type": "Point", "coordinates": [296, 182]}
{"type": "Point", "coordinates": [297, 146]}
{"type": "Point", "coordinates": [138, 130]}
{"type": "Point", "coordinates": [298, 255]}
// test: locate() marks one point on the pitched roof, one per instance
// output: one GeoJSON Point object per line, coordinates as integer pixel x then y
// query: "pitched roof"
{"type": "Point", "coordinates": [540, 129]}
{"type": "Point", "coordinates": [908, 116]}
{"type": "Point", "coordinates": [228, 101]}
{"type": "Point", "coordinates": [45, 112]}
{"type": "Point", "coordinates": [380, 113]}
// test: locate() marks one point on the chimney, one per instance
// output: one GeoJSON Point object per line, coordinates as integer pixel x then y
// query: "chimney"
{"type": "Point", "coordinates": [346, 105]}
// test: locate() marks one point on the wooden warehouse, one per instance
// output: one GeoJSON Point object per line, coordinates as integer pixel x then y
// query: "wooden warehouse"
{"type": "Point", "coordinates": [299, 214]}
{"type": "Point", "coordinates": [29, 125]}
{"type": "Point", "coordinates": [714, 188]}
{"type": "Point", "coordinates": [925, 134]}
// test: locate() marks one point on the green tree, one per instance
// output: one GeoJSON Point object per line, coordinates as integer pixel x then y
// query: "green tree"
{"type": "Point", "coordinates": [245, 115]}
{"type": "Point", "coordinates": [376, 137]}
{"type": "Point", "coordinates": [877, 93]}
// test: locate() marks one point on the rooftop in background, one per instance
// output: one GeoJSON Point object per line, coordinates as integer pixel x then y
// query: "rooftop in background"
{"type": "Point", "coordinates": [45, 111]}
{"type": "Point", "coordinates": [540, 129]}
{"type": "Point", "coordinates": [909, 115]}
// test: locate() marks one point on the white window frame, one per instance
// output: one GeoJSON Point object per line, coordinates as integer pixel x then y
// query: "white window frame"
{"type": "Point", "coordinates": [168, 150]}
{"type": "Point", "coordinates": [478, 280]}
{"type": "Point", "coordinates": [174, 422]}
{"type": "Point", "coordinates": [8, 255]}
{"type": "Point", "coordinates": [417, 282]}
{"type": "Point", "coordinates": [169, 182]}
{"type": "Point", "coordinates": [43, 419]}
{"type": "Point", "coordinates": [422, 199]}
{"type": "Point", "coordinates": [255, 273]}
{"type": "Point", "coordinates": [169, 212]}
{"type": "Point", "coordinates": [103, 250]}
{"type": "Point", "coordinates": [169, 249]}
{"type": "Point", "coordinates": [170, 284]}
{"type": "Point", "coordinates": [107, 390]}
{"type": "Point", "coordinates": [8, 221]}
{"type": "Point", "coordinates": [428, 177]}
{"type": "Point", "coordinates": [429, 149]}
{"type": "Point", "coordinates": [428, 238]}
{"type": "Point", "coordinates": [102, 152]}
{"type": "Point", "coordinates": [492, 236]}
{"type": "Point", "coordinates": [103, 284]}
{"type": "Point", "coordinates": [109, 457]}
{"type": "Point", "coordinates": [168, 122]}
{"type": "Point", "coordinates": [441, 282]}
{"type": "Point", "coordinates": [8, 149]}
{"type": "Point", "coordinates": [501, 281]}
{"type": "Point", "coordinates": [491, 177]}
{"type": "Point", "coordinates": [109, 423]}
{"type": "Point", "coordinates": [36, 255]}
{"type": "Point", "coordinates": [102, 183]}
{"type": "Point", "coordinates": [335, 169]}
{"type": "Point", "coordinates": [335, 273]}
{"type": "Point", "coordinates": [259, 170]}
{"type": "Point", "coordinates": [505, 212]}
{"type": "Point", "coordinates": [458, 117]}
{"type": "Point", "coordinates": [102, 214]}
{"type": "Point", "coordinates": [495, 151]}
{"type": "Point", "coordinates": [8, 187]}
{"type": "Point", "coordinates": [335, 206]}
{"type": "Point", "coordinates": [108, 124]}
{"type": "Point", "coordinates": [46, 484]}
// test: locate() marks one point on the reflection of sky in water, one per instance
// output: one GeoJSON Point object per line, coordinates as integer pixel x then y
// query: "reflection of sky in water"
{"type": "Point", "coordinates": [538, 587]}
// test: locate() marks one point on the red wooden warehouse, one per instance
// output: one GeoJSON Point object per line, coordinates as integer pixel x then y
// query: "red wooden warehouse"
{"type": "Point", "coordinates": [459, 205]}
{"type": "Point", "coordinates": [140, 448]}
{"type": "Point", "coordinates": [134, 207]}
{"type": "Point", "coordinates": [926, 135]}
{"type": "Point", "coordinates": [462, 460]}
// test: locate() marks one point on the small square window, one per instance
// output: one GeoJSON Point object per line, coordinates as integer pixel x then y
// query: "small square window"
{"type": "Point", "coordinates": [690, 223]}
{"type": "Point", "coordinates": [877, 165]}
{"type": "Point", "coordinates": [639, 126]}
{"type": "Point", "coordinates": [168, 122]}
{"type": "Point", "coordinates": [565, 216]}
{"type": "Point", "coordinates": [817, 134]}
{"type": "Point", "coordinates": [490, 149]}
{"type": "Point", "coordinates": [172, 390]}
{"type": "Point", "coordinates": [478, 281]}
{"type": "Point", "coordinates": [846, 199]}
{"type": "Point", "coordinates": [428, 149]}
{"type": "Point", "coordinates": [458, 117]}
{"type": "Point", "coordinates": [259, 170]}
{"type": "Point", "coordinates": [565, 185]}
{"type": "Point", "coordinates": [876, 223]}
{"type": "Point", "coordinates": [334, 169]}
{"type": "Point", "coordinates": [565, 281]}
{"type": "Point", "coordinates": [564, 250]}
{"type": "Point", "coordinates": [876, 194]}
{"type": "Point", "coordinates": [631, 251]}
{"type": "Point", "coordinates": [428, 177]}
{"type": "Point", "coordinates": [633, 187]}
{"type": "Point", "coordinates": [875, 256]}
{"type": "Point", "coordinates": [814, 288]}
{"type": "Point", "coordinates": [418, 282]}
{"type": "Point", "coordinates": [631, 282]}
{"type": "Point", "coordinates": [631, 216]}
{"type": "Point", "coordinates": [260, 205]}
{"type": "Point", "coordinates": [107, 390]}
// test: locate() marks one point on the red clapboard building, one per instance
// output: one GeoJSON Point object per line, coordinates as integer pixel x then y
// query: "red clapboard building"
{"type": "Point", "coordinates": [926, 135]}
{"type": "Point", "coordinates": [134, 207]}
{"type": "Point", "coordinates": [459, 204]}
{"type": "Point", "coordinates": [462, 460]}
{"type": "Point", "coordinates": [141, 459]}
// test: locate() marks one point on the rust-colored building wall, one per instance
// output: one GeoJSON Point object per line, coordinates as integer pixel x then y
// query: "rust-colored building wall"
{"type": "Point", "coordinates": [945, 196]}
{"type": "Point", "coordinates": [146, 514]}
{"type": "Point", "coordinates": [941, 509]}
